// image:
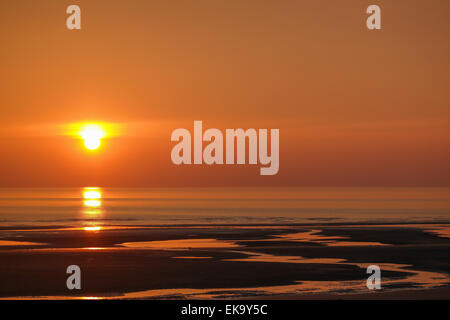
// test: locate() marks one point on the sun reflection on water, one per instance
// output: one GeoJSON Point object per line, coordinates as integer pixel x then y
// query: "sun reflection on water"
{"type": "Point", "coordinates": [92, 201]}
{"type": "Point", "coordinates": [92, 207]}
{"type": "Point", "coordinates": [92, 193]}
{"type": "Point", "coordinates": [95, 228]}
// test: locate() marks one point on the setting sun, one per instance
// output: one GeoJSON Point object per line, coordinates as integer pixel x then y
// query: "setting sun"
{"type": "Point", "coordinates": [92, 135]}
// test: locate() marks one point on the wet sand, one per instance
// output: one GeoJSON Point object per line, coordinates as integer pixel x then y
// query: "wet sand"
{"type": "Point", "coordinates": [276, 262]}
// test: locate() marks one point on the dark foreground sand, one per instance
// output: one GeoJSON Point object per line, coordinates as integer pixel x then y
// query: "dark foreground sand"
{"type": "Point", "coordinates": [441, 293]}
{"type": "Point", "coordinates": [109, 269]}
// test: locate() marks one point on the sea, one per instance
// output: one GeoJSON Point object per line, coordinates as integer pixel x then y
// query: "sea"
{"type": "Point", "coordinates": [87, 206]}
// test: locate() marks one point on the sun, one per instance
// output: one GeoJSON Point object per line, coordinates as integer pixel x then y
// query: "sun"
{"type": "Point", "coordinates": [92, 135]}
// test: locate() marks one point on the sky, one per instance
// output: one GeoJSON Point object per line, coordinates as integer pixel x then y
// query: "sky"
{"type": "Point", "coordinates": [354, 107]}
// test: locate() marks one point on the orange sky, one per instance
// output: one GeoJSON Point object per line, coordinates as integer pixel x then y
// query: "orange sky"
{"type": "Point", "coordinates": [354, 107]}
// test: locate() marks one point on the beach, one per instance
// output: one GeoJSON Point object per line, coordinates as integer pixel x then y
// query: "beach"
{"type": "Point", "coordinates": [131, 258]}
{"type": "Point", "coordinates": [223, 262]}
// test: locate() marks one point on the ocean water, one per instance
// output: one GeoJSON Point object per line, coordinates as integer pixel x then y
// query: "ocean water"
{"type": "Point", "coordinates": [114, 232]}
{"type": "Point", "coordinates": [76, 207]}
